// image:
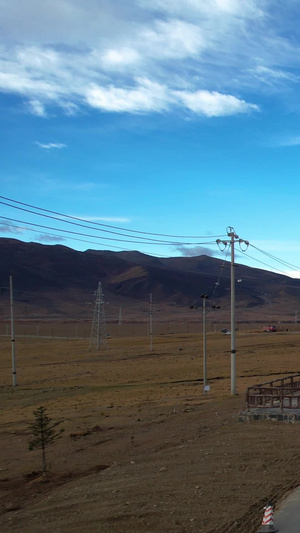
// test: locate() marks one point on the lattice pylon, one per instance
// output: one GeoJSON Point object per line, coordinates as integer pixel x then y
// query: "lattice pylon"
{"type": "Point", "coordinates": [98, 333]}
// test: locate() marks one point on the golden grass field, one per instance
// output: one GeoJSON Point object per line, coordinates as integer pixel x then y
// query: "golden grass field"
{"type": "Point", "coordinates": [143, 449]}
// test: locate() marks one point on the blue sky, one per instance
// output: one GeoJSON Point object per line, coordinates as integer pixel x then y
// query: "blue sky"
{"type": "Point", "coordinates": [159, 116]}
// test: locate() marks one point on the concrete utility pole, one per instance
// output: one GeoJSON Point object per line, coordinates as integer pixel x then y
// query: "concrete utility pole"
{"type": "Point", "coordinates": [12, 332]}
{"type": "Point", "coordinates": [234, 238]}
{"type": "Point", "coordinates": [204, 298]}
{"type": "Point", "coordinates": [120, 316]}
{"type": "Point", "coordinates": [151, 324]}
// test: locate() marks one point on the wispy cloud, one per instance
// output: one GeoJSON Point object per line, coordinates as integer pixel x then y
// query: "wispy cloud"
{"type": "Point", "coordinates": [51, 185]}
{"type": "Point", "coordinates": [214, 104]}
{"type": "Point", "coordinates": [46, 237]}
{"type": "Point", "coordinates": [290, 140]}
{"type": "Point", "coordinates": [210, 8]}
{"type": "Point", "coordinates": [267, 74]}
{"type": "Point", "coordinates": [104, 219]}
{"type": "Point", "coordinates": [195, 251]}
{"type": "Point", "coordinates": [146, 96]}
{"type": "Point", "coordinates": [145, 56]}
{"type": "Point", "coordinates": [37, 108]}
{"type": "Point", "coordinates": [8, 227]}
{"type": "Point", "coordinates": [50, 146]}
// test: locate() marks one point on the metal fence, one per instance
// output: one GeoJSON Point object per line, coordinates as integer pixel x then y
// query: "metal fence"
{"type": "Point", "coordinates": [279, 394]}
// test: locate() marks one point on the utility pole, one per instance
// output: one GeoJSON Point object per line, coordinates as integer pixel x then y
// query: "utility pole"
{"type": "Point", "coordinates": [234, 238]}
{"type": "Point", "coordinates": [12, 332]}
{"type": "Point", "coordinates": [204, 298]}
{"type": "Point", "coordinates": [98, 334]}
{"type": "Point", "coordinates": [151, 324]}
{"type": "Point", "coordinates": [120, 316]}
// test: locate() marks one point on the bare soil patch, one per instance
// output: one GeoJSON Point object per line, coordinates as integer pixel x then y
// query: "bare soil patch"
{"type": "Point", "coordinates": [143, 449]}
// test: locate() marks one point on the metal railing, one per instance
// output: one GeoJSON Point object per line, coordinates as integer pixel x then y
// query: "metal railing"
{"type": "Point", "coordinates": [279, 394]}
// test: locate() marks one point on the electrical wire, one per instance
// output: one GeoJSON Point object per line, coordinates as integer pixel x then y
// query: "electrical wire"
{"type": "Point", "coordinates": [285, 263]}
{"type": "Point", "coordinates": [221, 272]}
{"type": "Point", "coordinates": [265, 264]}
{"type": "Point", "coordinates": [136, 234]}
{"type": "Point", "coordinates": [82, 240]}
{"type": "Point", "coordinates": [98, 223]}
{"type": "Point", "coordinates": [82, 225]}
{"type": "Point", "coordinates": [72, 238]}
{"type": "Point", "coordinates": [96, 237]}
{"type": "Point", "coordinates": [145, 239]}
{"type": "Point", "coordinates": [270, 256]}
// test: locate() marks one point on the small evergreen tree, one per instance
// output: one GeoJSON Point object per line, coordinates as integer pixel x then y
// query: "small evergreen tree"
{"type": "Point", "coordinates": [43, 433]}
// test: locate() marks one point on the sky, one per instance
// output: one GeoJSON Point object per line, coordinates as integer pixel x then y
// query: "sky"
{"type": "Point", "coordinates": [160, 124]}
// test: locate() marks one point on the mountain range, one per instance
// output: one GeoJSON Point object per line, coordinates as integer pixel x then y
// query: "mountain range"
{"type": "Point", "coordinates": [54, 280]}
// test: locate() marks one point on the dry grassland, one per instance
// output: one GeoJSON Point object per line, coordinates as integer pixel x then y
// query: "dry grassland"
{"type": "Point", "coordinates": [143, 449]}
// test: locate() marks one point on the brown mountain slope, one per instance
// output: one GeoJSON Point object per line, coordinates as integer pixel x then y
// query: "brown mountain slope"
{"type": "Point", "coordinates": [60, 280]}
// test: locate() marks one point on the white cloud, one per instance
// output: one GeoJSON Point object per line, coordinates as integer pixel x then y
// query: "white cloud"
{"type": "Point", "coordinates": [50, 146]}
{"type": "Point", "coordinates": [172, 39]}
{"type": "Point", "coordinates": [293, 274]}
{"type": "Point", "coordinates": [240, 8]}
{"type": "Point", "coordinates": [70, 108]}
{"type": "Point", "coordinates": [146, 96]}
{"type": "Point", "coordinates": [120, 59]}
{"type": "Point", "coordinates": [144, 56]}
{"type": "Point", "coordinates": [271, 76]}
{"type": "Point", "coordinates": [62, 21]}
{"type": "Point", "coordinates": [37, 108]}
{"type": "Point", "coordinates": [151, 96]}
{"type": "Point", "coordinates": [26, 84]}
{"type": "Point", "coordinates": [214, 104]}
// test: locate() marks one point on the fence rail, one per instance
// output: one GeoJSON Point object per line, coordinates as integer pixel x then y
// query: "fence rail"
{"type": "Point", "coordinates": [279, 394]}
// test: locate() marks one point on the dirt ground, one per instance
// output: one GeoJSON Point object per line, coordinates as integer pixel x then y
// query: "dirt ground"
{"type": "Point", "coordinates": [143, 450]}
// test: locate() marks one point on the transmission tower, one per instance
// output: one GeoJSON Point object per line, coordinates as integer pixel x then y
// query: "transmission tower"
{"type": "Point", "coordinates": [98, 334]}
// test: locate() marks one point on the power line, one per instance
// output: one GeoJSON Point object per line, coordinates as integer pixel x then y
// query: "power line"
{"type": "Point", "coordinates": [106, 238]}
{"type": "Point", "coordinates": [136, 234]}
{"type": "Point", "coordinates": [83, 240]}
{"type": "Point", "coordinates": [221, 272]}
{"type": "Point", "coordinates": [285, 263]}
{"type": "Point", "coordinates": [145, 239]}
{"type": "Point", "coordinates": [78, 224]}
{"type": "Point", "coordinates": [265, 264]}
{"type": "Point", "coordinates": [98, 223]}
{"type": "Point", "coordinates": [270, 256]}
{"type": "Point", "coordinates": [78, 240]}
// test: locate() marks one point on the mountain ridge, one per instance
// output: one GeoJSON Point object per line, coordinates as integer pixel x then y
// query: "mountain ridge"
{"type": "Point", "coordinates": [59, 279]}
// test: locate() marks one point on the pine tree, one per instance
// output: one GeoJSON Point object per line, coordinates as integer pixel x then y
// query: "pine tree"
{"type": "Point", "coordinates": [43, 433]}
